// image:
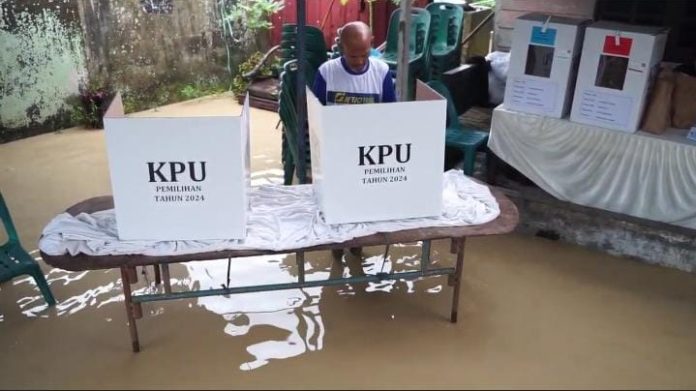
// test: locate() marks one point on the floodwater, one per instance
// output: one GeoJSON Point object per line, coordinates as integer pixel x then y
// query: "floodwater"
{"type": "Point", "coordinates": [533, 313]}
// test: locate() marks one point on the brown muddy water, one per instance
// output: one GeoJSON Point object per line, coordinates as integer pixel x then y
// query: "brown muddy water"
{"type": "Point", "coordinates": [533, 313]}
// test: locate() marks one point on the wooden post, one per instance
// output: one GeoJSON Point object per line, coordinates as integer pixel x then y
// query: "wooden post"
{"type": "Point", "coordinates": [403, 52]}
{"type": "Point", "coordinates": [300, 164]}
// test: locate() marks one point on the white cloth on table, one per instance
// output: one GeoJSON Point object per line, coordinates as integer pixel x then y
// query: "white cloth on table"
{"type": "Point", "coordinates": [280, 217]}
{"type": "Point", "coordinates": [638, 174]}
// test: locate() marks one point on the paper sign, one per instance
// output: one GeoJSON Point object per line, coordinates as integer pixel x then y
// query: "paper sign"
{"type": "Point", "coordinates": [605, 109]}
{"type": "Point", "coordinates": [543, 38]}
{"type": "Point", "coordinates": [538, 96]}
{"type": "Point", "coordinates": [622, 48]}
{"type": "Point", "coordinates": [692, 134]}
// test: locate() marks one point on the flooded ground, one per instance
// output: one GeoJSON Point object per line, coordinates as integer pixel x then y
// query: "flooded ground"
{"type": "Point", "coordinates": [533, 313]}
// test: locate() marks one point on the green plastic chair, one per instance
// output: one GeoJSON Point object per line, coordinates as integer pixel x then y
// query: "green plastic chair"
{"type": "Point", "coordinates": [418, 48]}
{"type": "Point", "coordinates": [445, 28]}
{"type": "Point", "coordinates": [15, 261]}
{"type": "Point", "coordinates": [287, 110]}
{"type": "Point", "coordinates": [314, 40]}
{"type": "Point", "coordinates": [457, 136]}
{"type": "Point", "coordinates": [446, 21]}
{"type": "Point", "coordinates": [419, 37]}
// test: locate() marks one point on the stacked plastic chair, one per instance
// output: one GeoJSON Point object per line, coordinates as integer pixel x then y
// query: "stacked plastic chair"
{"type": "Point", "coordinates": [287, 110]}
{"type": "Point", "coordinates": [315, 46]}
{"type": "Point", "coordinates": [446, 22]}
{"type": "Point", "coordinates": [418, 48]}
{"type": "Point", "coordinates": [316, 54]}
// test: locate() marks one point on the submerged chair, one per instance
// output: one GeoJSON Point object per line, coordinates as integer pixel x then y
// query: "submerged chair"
{"type": "Point", "coordinates": [457, 136]}
{"type": "Point", "coordinates": [15, 261]}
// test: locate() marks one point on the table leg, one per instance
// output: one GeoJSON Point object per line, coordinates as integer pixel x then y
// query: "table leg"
{"type": "Point", "coordinates": [300, 266]}
{"type": "Point", "coordinates": [425, 256]}
{"type": "Point", "coordinates": [454, 245]}
{"type": "Point", "coordinates": [167, 279]}
{"type": "Point", "coordinates": [132, 274]}
{"type": "Point", "coordinates": [457, 279]}
{"type": "Point", "coordinates": [126, 282]}
{"type": "Point", "coordinates": [158, 277]}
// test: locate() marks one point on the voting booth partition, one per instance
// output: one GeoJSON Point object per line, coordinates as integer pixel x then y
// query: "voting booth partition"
{"type": "Point", "coordinates": [178, 178]}
{"type": "Point", "coordinates": [382, 161]}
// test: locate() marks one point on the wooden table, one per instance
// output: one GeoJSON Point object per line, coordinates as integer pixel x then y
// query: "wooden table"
{"type": "Point", "coordinates": [504, 223]}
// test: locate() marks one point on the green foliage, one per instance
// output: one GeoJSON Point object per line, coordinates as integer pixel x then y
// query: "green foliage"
{"type": "Point", "coordinates": [242, 18]}
{"type": "Point", "coordinates": [240, 84]}
{"type": "Point", "coordinates": [88, 107]}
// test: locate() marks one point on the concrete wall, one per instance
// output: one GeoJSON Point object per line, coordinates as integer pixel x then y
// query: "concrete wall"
{"type": "Point", "coordinates": [135, 48]}
{"type": "Point", "coordinates": [508, 10]}
{"type": "Point", "coordinates": [41, 63]}
{"type": "Point", "coordinates": [48, 48]}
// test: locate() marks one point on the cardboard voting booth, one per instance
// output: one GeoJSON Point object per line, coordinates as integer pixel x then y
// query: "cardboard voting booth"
{"type": "Point", "coordinates": [543, 63]}
{"type": "Point", "coordinates": [618, 64]}
{"type": "Point", "coordinates": [382, 161]}
{"type": "Point", "coordinates": [178, 178]}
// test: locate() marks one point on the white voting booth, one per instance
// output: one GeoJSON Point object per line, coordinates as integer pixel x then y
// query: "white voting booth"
{"type": "Point", "coordinates": [383, 161]}
{"type": "Point", "coordinates": [178, 178]}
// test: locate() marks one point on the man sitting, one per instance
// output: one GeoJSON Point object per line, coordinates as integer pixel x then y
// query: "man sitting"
{"type": "Point", "coordinates": [355, 77]}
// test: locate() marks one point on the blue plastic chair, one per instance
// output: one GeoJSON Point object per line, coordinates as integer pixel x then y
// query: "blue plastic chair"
{"type": "Point", "coordinates": [16, 261]}
{"type": "Point", "coordinates": [457, 136]}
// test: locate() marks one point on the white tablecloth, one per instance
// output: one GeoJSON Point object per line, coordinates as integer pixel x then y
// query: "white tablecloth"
{"type": "Point", "coordinates": [638, 174]}
{"type": "Point", "coordinates": [280, 217]}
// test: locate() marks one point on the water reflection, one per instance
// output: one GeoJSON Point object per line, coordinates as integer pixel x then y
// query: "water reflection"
{"type": "Point", "coordinates": [295, 311]}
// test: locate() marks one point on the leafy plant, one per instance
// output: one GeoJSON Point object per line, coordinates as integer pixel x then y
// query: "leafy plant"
{"type": "Point", "coordinates": [88, 107]}
{"type": "Point", "coordinates": [242, 18]}
{"type": "Point", "coordinates": [240, 84]}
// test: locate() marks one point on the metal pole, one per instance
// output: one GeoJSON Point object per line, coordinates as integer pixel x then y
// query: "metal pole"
{"type": "Point", "coordinates": [403, 51]}
{"type": "Point", "coordinates": [301, 98]}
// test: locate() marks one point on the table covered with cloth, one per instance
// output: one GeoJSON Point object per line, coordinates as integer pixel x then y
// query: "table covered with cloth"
{"type": "Point", "coordinates": [280, 218]}
{"type": "Point", "coordinates": [638, 174]}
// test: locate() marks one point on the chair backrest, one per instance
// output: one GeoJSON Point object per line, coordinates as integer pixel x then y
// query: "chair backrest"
{"type": "Point", "coordinates": [446, 26]}
{"type": "Point", "coordinates": [419, 34]}
{"type": "Point", "coordinates": [287, 105]}
{"type": "Point", "coordinates": [314, 41]}
{"type": "Point", "coordinates": [441, 88]}
{"type": "Point", "coordinates": [7, 221]}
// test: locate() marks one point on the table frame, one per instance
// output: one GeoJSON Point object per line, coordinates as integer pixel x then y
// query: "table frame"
{"type": "Point", "coordinates": [504, 223]}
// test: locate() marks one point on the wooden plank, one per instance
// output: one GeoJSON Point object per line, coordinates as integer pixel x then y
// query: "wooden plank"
{"type": "Point", "coordinates": [506, 19]}
{"type": "Point", "coordinates": [509, 10]}
{"type": "Point", "coordinates": [574, 7]}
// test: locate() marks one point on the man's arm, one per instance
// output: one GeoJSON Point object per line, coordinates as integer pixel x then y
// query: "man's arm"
{"type": "Point", "coordinates": [388, 90]}
{"type": "Point", "coordinates": [319, 88]}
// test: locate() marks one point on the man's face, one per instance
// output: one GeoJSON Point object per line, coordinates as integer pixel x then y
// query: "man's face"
{"type": "Point", "coordinates": [356, 53]}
